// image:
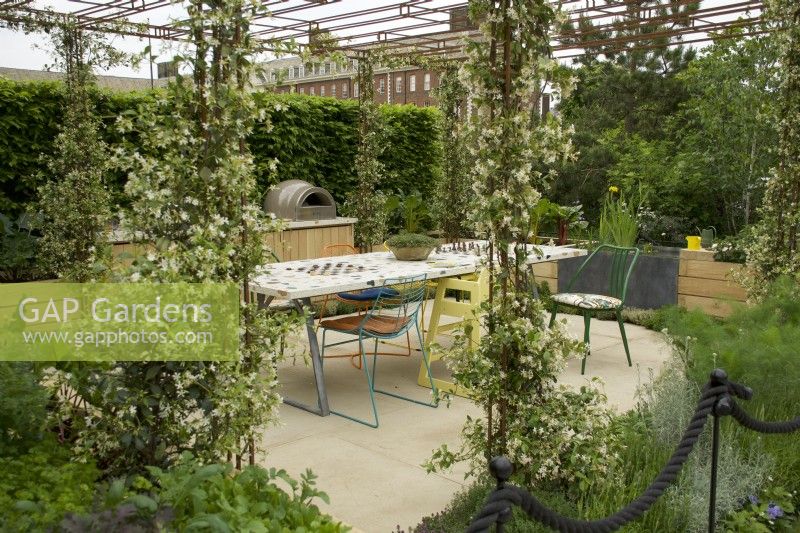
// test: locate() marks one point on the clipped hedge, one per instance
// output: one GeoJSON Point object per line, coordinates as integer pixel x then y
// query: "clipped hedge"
{"type": "Point", "coordinates": [313, 138]}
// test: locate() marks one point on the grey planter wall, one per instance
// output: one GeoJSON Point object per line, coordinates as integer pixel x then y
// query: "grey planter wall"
{"type": "Point", "coordinates": [653, 284]}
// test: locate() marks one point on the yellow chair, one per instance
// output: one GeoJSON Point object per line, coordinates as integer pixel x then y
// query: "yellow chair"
{"type": "Point", "coordinates": [468, 313]}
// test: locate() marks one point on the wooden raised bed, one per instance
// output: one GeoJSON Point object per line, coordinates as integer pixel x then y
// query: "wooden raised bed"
{"type": "Point", "coordinates": [300, 240]}
{"type": "Point", "coordinates": [707, 284]}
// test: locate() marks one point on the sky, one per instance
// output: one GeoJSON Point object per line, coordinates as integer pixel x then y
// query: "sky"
{"type": "Point", "coordinates": [30, 51]}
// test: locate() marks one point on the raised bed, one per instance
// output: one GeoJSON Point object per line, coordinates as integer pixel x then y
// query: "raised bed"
{"type": "Point", "coordinates": [707, 284]}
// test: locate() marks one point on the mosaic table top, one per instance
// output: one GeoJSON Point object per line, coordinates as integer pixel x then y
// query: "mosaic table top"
{"type": "Point", "coordinates": [317, 277]}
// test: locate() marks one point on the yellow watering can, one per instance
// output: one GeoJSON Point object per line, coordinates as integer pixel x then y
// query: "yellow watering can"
{"type": "Point", "coordinates": [693, 242]}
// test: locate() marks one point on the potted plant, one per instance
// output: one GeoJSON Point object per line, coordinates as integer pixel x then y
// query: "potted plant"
{"type": "Point", "coordinates": [411, 246]}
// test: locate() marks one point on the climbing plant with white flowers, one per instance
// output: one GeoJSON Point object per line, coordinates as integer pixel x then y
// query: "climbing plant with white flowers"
{"type": "Point", "coordinates": [548, 431]}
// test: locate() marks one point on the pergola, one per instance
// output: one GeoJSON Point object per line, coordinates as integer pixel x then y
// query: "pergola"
{"type": "Point", "coordinates": [434, 27]}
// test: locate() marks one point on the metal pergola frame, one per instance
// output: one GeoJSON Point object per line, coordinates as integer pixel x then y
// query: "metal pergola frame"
{"type": "Point", "coordinates": [422, 26]}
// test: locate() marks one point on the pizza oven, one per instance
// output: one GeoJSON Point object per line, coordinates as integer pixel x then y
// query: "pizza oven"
{"type": "Point", "coordinates": [299, 200]}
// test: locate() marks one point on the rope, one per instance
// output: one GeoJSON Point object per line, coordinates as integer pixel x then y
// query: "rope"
{"type": "Point", "coordinates": [762, 426]}
{"type": "Point", "coordinates": [715, 399]}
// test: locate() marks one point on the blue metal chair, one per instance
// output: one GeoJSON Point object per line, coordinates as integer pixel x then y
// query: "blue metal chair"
{"type": "Point", "coordinates": [612, 300]}
{"type": "Point", "coordinates": [394, 313]}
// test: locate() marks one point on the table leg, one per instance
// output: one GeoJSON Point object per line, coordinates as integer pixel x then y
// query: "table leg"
{"type": "Point", "coordinates": [322, 408]}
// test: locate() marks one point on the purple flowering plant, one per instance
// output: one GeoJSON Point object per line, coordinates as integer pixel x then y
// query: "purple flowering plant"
{"type": "Point", "coordinates": [772, 509]}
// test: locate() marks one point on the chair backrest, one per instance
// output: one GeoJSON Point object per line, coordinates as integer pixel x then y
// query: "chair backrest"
{"type": "Point", "coordinates": [619, 275]}
{"type": "Point", "coordinates": [400, 302]}
{"type": "Point", "coordinates": [333, 250]}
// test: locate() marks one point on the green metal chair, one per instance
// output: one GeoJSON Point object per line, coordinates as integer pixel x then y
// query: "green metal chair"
{"type": "Point", "coordinates": [394, 313]}
{"type": "Point", "coordinates": [612, 300]}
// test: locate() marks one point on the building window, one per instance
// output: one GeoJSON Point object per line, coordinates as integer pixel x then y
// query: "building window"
{"type": "Point", "coordinates": [345, 90]}
{"type": "Point", "coordinates": [328, 68]}
{"type": "Point", "coordinates": [296, 72]}
{"type": "Point", "coordinates": [426, 82]}
{"type": "Point", "coordinates": [311, 91]}
{"type": "Point", "coordinates": [333, 90]}
{"type": "Point", "coordinates": [381, 86]}
{"type": "Point", "coordinates": [321, 69]}
{"type": "Point", "coordinates": [412, 83]}
{"type": "Point", "coordinates": [302, 90]}
{"type": "Point", "coordinates": [322, 90]}
{"type": "Point", "coordinates": [355, 90]}
{"type": "Point", "coordinates": [398, 84]}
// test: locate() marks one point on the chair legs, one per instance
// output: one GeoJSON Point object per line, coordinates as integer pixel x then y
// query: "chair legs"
{"type": "Point", "coordinates": [587, 321]}
{"type": "Point", "coordinates": [370, 374]}
{"type": "Point", "coordinates": [370, 386]}
{"type": "Point", "coordinates": [434, 390]}
{"type": "Point", "coordinates": [624, 337]}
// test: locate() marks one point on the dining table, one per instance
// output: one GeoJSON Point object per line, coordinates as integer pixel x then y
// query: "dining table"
{"type": "Point", "coordinates": [297, 282]}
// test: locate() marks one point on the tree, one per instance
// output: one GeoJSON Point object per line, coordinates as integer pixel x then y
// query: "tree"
{"type": "Point", "coordinates": [773, 252]}
{"type": "Point", "coordinates": [194, 208]}
{"type": "Point", "coordinates": [366, 202]}
{"type": "Point", "coordinates": [513, 372]}
{"type": "Point", "coordinates": [452, 189]}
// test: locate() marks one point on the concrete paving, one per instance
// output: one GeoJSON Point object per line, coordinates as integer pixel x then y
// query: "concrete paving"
{"type": "Point", "coordinates": [374, 477]}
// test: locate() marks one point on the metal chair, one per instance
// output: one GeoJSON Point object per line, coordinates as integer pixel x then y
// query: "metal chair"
{"type": "Point", "coordinates": [361, 300]}
{"type": "Point", "coordinates": [614, 300]}
{"type": "Point", "coordinates": [390, 317]}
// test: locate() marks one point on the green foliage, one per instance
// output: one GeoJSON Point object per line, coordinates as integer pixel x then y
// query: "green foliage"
{"type": "Point", "coordinates": [408, 212]}
{"type": "Point", "coordinates": [775, 248]}
{"type": "Point", "coordinates": [618, 221]}
{"type": "Point", "coordinates": [465, 505]}
{"type": "Point", "coordinates": [29, 117]}
{"type": "Point", "coordinates": [410, 240]}
{"type": "Point", "coordinates": [365, 201]}
{"type": "Point", "coordinates": [210, 497]}
{"type": "Point", "coordinates": [452, 192]}
{"type": "Point", "coordinates": [756, 346]}
{"type": "Point", "coordinates": [39, 487]}
{"type": "Point", "coordinates": [773, 509]}
{"type": "Point", "coordinates": [75, 205]}
{"type": "Point", "coordinates": [595, 109]}
{"type": "Point", "coordinates": [23, 404]}
{"type": "Point", "coordinates": [732, 249]}
{"type": "Point", "coordinates": [300, 137]}
{"type": "Point", "coordinates": [19, 244]}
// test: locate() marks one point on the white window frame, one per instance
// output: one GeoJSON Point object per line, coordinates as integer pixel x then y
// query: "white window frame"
{"type": "Point", "coordinates": [345, 90]}
{"type": "Point", "coordinates": [398, 85]}
{"type": "Point", "coordinates": [333, 90]}
{"type": "Point", "coordinates": [412, 83]}
{"type": "Point", "coordinates": [322, 90]}
{"type": "Point", "coordinates": [355, 90]}
{"type": "Point", "coordinates": [381, 86]}
{"type": "Point", "coordinates": [426, 82]}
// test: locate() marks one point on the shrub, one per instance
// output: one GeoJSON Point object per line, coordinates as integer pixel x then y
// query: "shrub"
{"type": "Point", "coordinates": [302, 137]}
{"type": "Point", "coordinates": [193, 496]}
{"type": "Point", "coordinates": [39, 487]}
{"type": "Point", "coordinates": [23, 408]}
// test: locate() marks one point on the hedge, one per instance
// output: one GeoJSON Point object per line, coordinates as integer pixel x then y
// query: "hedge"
{"type": "Point", "coordinates": [313, 138]}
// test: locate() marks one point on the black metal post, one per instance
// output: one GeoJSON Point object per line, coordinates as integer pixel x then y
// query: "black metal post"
{"type": "Point", "coordinates": [721, 407]}
{"type": "Point", "coordinates": [501, 468]}
{"type": "Point", "coordinates": [712, 497]}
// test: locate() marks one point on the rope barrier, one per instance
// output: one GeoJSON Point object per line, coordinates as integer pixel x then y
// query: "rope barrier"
{"type": "Point", "coordinates": [716, 399]}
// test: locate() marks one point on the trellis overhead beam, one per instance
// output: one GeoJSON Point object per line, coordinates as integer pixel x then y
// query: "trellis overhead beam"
{"type": "Point", "coordinates": [423, 25]}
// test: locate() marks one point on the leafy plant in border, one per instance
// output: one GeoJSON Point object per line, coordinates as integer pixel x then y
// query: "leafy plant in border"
{"type": "Point", "coordinates": [19, 244]}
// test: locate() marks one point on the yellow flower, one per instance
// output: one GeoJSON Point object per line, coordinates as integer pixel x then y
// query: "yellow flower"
{"type": "Point", "coordinates": [613, 189]}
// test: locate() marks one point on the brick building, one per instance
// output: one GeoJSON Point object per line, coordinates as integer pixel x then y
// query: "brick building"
{"type": "Point", "coordinates": [410, 85]}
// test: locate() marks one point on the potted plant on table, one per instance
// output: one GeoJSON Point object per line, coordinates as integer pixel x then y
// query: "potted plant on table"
{"type": "Point", "coordinates": [411, 246]}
